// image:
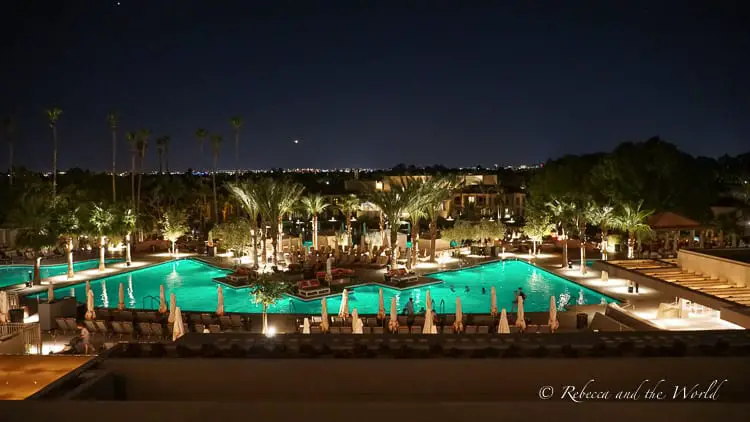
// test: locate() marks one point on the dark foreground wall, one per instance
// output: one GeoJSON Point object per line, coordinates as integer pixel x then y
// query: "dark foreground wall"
{"type": "Point", "coordinates": [417, 380]}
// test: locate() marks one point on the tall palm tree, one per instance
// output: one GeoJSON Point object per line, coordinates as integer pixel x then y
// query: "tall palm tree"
{"type": "Point", "coordinates": [53, 114]}
{"type": "Point", "coordinates": [30, 214]}
{"type": "Point", "coordinates": [101, 221]}
{"type": "Point", "coordinates": [9, 127]}
{"type": "Point", "coordinates": [392, 204]}
{"type": "Point", "coordinates": [349, 206]}
{"type": "Point", "coordinates": [216, 148]}
{"type": "Point", "coordinates": [562, 213]}
{"type": "Point", "coordinates": [631, 219]}
{"type": "Point", "coordinates": [143, 136]}
{"type": "Point", "coordinates": [441, 190]}
{"type": "Point", "coordinates": [236, 122]}
{"type": "Point", "coordinates": [201, 135]}
{"type": "Point", "coordinates": [275, 199]}
{"type": "Point", "coordinates": [162, 144]}
{"type": "Point", "coordinates": [602, 216]}
{"type": "Point", "coordinates": [313, 205]}
{"type": "Point", "coordinates": [421, 192]}
{"type": "Point", "coordinates": [133, 141]}
{"type": "Point", "coordinates": [112, 119]}
{"type": "Point", "coordinates": [579, 214]}
{"type": "Point", "coordinates": [246, 196]}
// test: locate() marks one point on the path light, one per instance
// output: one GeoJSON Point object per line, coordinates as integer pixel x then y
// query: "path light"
{"type": "Point", "coordinates": [450, 218]}
{"type": "Point", "coordinates": [354, 220]}
{"type": "Point", "coordinates": [332, 220]}
{"type": "Point", "coordinates": [271, 331]}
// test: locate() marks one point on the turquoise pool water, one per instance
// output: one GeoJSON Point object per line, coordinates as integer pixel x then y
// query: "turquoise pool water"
{"type": "Point", "coordinates": [17, 274]}
{"type": "Point", "coordinates": [191, 281]}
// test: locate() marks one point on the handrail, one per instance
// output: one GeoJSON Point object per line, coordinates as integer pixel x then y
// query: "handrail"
{"type": "Point", "coordinates": [442, 306]}
{"type": "Point", "coordinates": [152, 298]}
{"type": "Point", "coordinates": [292, 306]}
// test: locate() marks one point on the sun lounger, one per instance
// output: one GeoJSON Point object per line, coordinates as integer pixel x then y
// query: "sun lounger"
{"type": "Point", "coordinates": [315, 330]}
{"type": "Point", "coordinates": [366, 330]}
{"type": "Point", "coordinates": [334, 330]}
{"type": "Point", "coordinates": [101, 326]}
{"type": "Point", "coordinates": [90, 326]}
{"type": "Point", "coordinates": [225, 322]}
{"type": "Point", "coordinates": [447, 329]}
{"type": "Point", "coordinates": [127, 327]}
{"type": "Point", "coordinates": [144, 328]}
{"type": "Point", "coordinates": [117, 328]}
{"type": "Point", "coordinates": [402, 320]}
{"type": "Point", "coordinates": [157, 330]}
{"type": "Point", "coordinates": [61, 325]}
{"type": "Point", "coordinates": [337, 321]}
{"type": "Point", "coordinates": [214, 328]}
{"type": "Point", "coordinates": [207, 319]}
{"type": "Point", "coordinates": [415, 329]}
{"type": "Point", "coordinates": [103, 313]}
{"type": "Point", "coordinates": [71, 323]}
{"type": "Point", "coordinates": [372, 322]}
{"type": "Point", "coordinates": [483, 329]}
{"type": "Point", "coordinates": [236, 321]}
{"type": "Point", "coordinates": [200, 328]}
{"type": "Point", "coordinates": [195, 319]}
{"type": "Point", "coordinates": [346, 330]}
{"type": "Point", "coordinates": [470, 329]}
{"type": "Point", "coordinates": [378, 330]}
{"type": "Point", "coordinates": [403, 329]}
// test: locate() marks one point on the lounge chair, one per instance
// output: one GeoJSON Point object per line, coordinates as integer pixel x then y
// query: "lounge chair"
{"type": "Point", "coordinates": [214, 328]}
{"type": "Point", "coordinates": [403, 329]}
{"type": "Point", "coordinates": [447, 329]}
{"type": "Point", "coordinates": [207, 319]}
{"type": "Point", "coordinates": [366, 330]}
{"type": "Point", "coordinates": [334, 330]}
{"type": "Point", "coordinates": [103, 313]}
{"type": "Point", "coordinates": [157, 330]}
{"type": "Point", "coordinates": [61, 324]}
{"type": "Point", "coordinates": [372, 322]}
{"type": "Point", "coordinates": [225, 322]}
{"type": "Point", "coordinates": [470, 329]}
{"type": "Point", "coordinates": [346, 330]}
{"type": "Point", "coordinates": [377, 330]}
{"type": "Point", "coordinates": [101, 325]}
{"type": "Point", "coordinates": [127, 327]}
{"type": "Point", "coordinates": [199, 328]}
{"type": "Point", "coordinates": [72, 324]}
{"type": "Point", "coordinates": [236, 321]}
{"type": "Point", "coordinates": [483, 329]}
{"type": "Point", "coordinates": [117, 328]}
{"type": "Point", "coordinates": [145, 329]}
{"type": "Point", "coordinates": [90, 326]}
{"type": "Point", "coordinates": [315, 330]}
{"type": "Point", "coordinates": [415, 329]}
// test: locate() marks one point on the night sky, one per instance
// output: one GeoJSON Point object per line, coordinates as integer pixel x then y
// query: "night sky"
{"type": "Point", "coordinates": [376, 85]}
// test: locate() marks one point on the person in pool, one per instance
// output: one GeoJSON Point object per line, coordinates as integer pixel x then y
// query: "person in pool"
{"type": "Point", "coordinates": [466, 289]}
{"type": "Point", "coordinates": [484, 291]}
{"type": "Point", "coordinates": [453, 289]}
{"type": "Point", "coordinates": [516, 294]}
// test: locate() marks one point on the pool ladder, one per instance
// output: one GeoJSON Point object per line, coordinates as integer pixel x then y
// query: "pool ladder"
{"type": "Point", "coordinates": [292, 306]}
{"type": "Point", "coordinates": [152, 299]}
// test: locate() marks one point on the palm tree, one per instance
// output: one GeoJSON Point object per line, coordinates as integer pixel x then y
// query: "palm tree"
{"type": "Point", "coordinates": [173, 225]}
{"type": "Point", "coordinates": [631, 219]}
{"type": "Point", "coordinates": [275, 199]}
{"type": "Point", "coordinates": [67, 226]}
{"type": "Point", "coordinates": [53, 115]}
{"type": "Point", "coordinates": [266, 292]}
{"type": "Point", "coordinates": [162, 146]}
{"type": "Point", "coordinates": [9, 128]}
{"type": "Point", "coordinates": [392, 203]}
{"type": "Point", "coordinates": [133, 141]}
{"type": "Point", "coordinates": [201, 134]}
{"type": "Point", "coordinates": [101, 220]}
{"type": "Point", "coordinates": [602, 216]}
{"type": "Point", "coordinates": [142, 146]}
{"type": "Point", "coordinates": [245, 195]}
{"type": "Point", "coordinates": [236, 122]}
{"type": "Point", "coordinates": [112, 119]}
{"type": "Point", "coordinates": [30, 214]}
{"type": "Point", "coordinates": [579, 217]}
{"type": "Point", "coordinates": [216, 147]}
{"type": "Point", "coordinates": [349, 206]}
{"type": "Point", "coordinates": [441, 190]}
{"type": "Point", "coordinates": [313, 205]}
{"type": "Point", "coordinates": [562, 214]}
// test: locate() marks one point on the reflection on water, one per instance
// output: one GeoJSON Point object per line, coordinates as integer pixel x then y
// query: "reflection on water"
{"type": "Point", "coordinates": [131, 295]}
{"type": "Point", "coordinates": [105, 297]}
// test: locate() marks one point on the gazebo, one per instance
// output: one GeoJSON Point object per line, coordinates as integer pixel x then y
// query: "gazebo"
{"type": "Point", "coordinates": [672, 225]}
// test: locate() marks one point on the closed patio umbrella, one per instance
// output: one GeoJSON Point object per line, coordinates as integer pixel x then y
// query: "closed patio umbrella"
{"type": "Point", "coordinates": [553, 322]}
{"type": "Point", "coordinates": [493, 301]}
{"type": "Point", "coordinates": [178, 329]}
{"type": "Point", "coordinates": [428, 322]}
{"type": "Point", "coordinates": [381, 305]}
{"type": "Point", "coordinates": [220, 305]}
{"type": "Point", "coordinates": [88, 287]}
{"type": "Point", "coordinates": [121, 298]}
{"type": "Point", "coordinates": [520, 317]}
{"type": "Point", "coordinates": [344, 308]}
{"type": "Point", "coordinates": [90, 314]}
{"type": "Point", "coordinates": [503, 327]}
{"type": "Point", "coordinates": [323, 315]}
{"type": "Point", "coordinates": [306, 326]}
{"type": "Point", "coordinates": [355, 322]}
{"type": "Point", "coordinates": [172, 307]}
{"type": "Point", "coordinates": [4, 307]}
{"type": "Point", "coordinates": [393, 321]}
{"type": "Point", "coordinates": [162, 300]}
{"type": "Point", "coordinates": [458, 326]}
{"type": "Point", "coordinates": [50, 293]}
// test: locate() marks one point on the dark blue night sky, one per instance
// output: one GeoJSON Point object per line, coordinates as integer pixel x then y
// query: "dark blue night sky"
{"type": "Point", "coordinates": [376, 83]}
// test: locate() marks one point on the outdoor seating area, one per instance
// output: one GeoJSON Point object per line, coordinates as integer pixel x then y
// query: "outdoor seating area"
{"type": "Point", "coordinates": [312, 288]}
{"type": "Point", "coordinates": [401, 276]}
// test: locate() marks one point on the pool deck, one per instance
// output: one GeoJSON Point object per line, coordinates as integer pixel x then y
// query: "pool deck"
{"type": "Point", "coordinates": [138, 262]}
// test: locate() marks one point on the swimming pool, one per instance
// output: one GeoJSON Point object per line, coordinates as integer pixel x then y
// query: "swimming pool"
{"type": "Point", "coordinates": [192, 283]}
{"type": "Point", "coordinates": [17, 274]}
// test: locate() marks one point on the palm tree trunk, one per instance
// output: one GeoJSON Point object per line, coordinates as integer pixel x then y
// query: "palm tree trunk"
{"type": "Point", "coordinates": [69, 253]}
{"type": "Point", "coordinates": [10, 162]}
{"type": "Point", "coordinates": [349, 232]}
{"type": "Point", "coordinates": [264, 253]}
{"type": "Point", "coordinates": [114, 165]}
{"type": "Point", "coordinates": [394, 242]}
{"type": "Point", "coordinates": [533, 246]}
{"type": "Point", "coordinates": [101, 253]}
{"type": "Point", "coordinates": [132, 181]}
{"type": "Point", "coordinates": [631, 245]}
{"type": "Point", "coordinates": [216, 201]}
{"type": "Point", "coordinates": [565, 249]}
{"type": "Point", "coordinates": [128, 258]}
{"type": "Point", "coordinates": [583, 257]}
{"type": "Point", "coordinates": [265, 318]}
{"type": "Point", "coordinates": [414, 243]}
{"type": "Point", "coordinates": [255, 244]}
{"type": "Point", "coordinates": [54, 161]}
{"type": "Point", "coordinates": [37, 280]}
{"type": "Point", "coordinates": [315, 231]}
{"type": "Point", "coordinates": [138, 200]}
{"type": "Point", "coordinates": [279, 257]}
{"type": "Point", "coordinates": [433, 238]}
{"type": "Point", "coordinates": [382, 229]}
{"type": "Point", "coordinates": [604, 244]}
